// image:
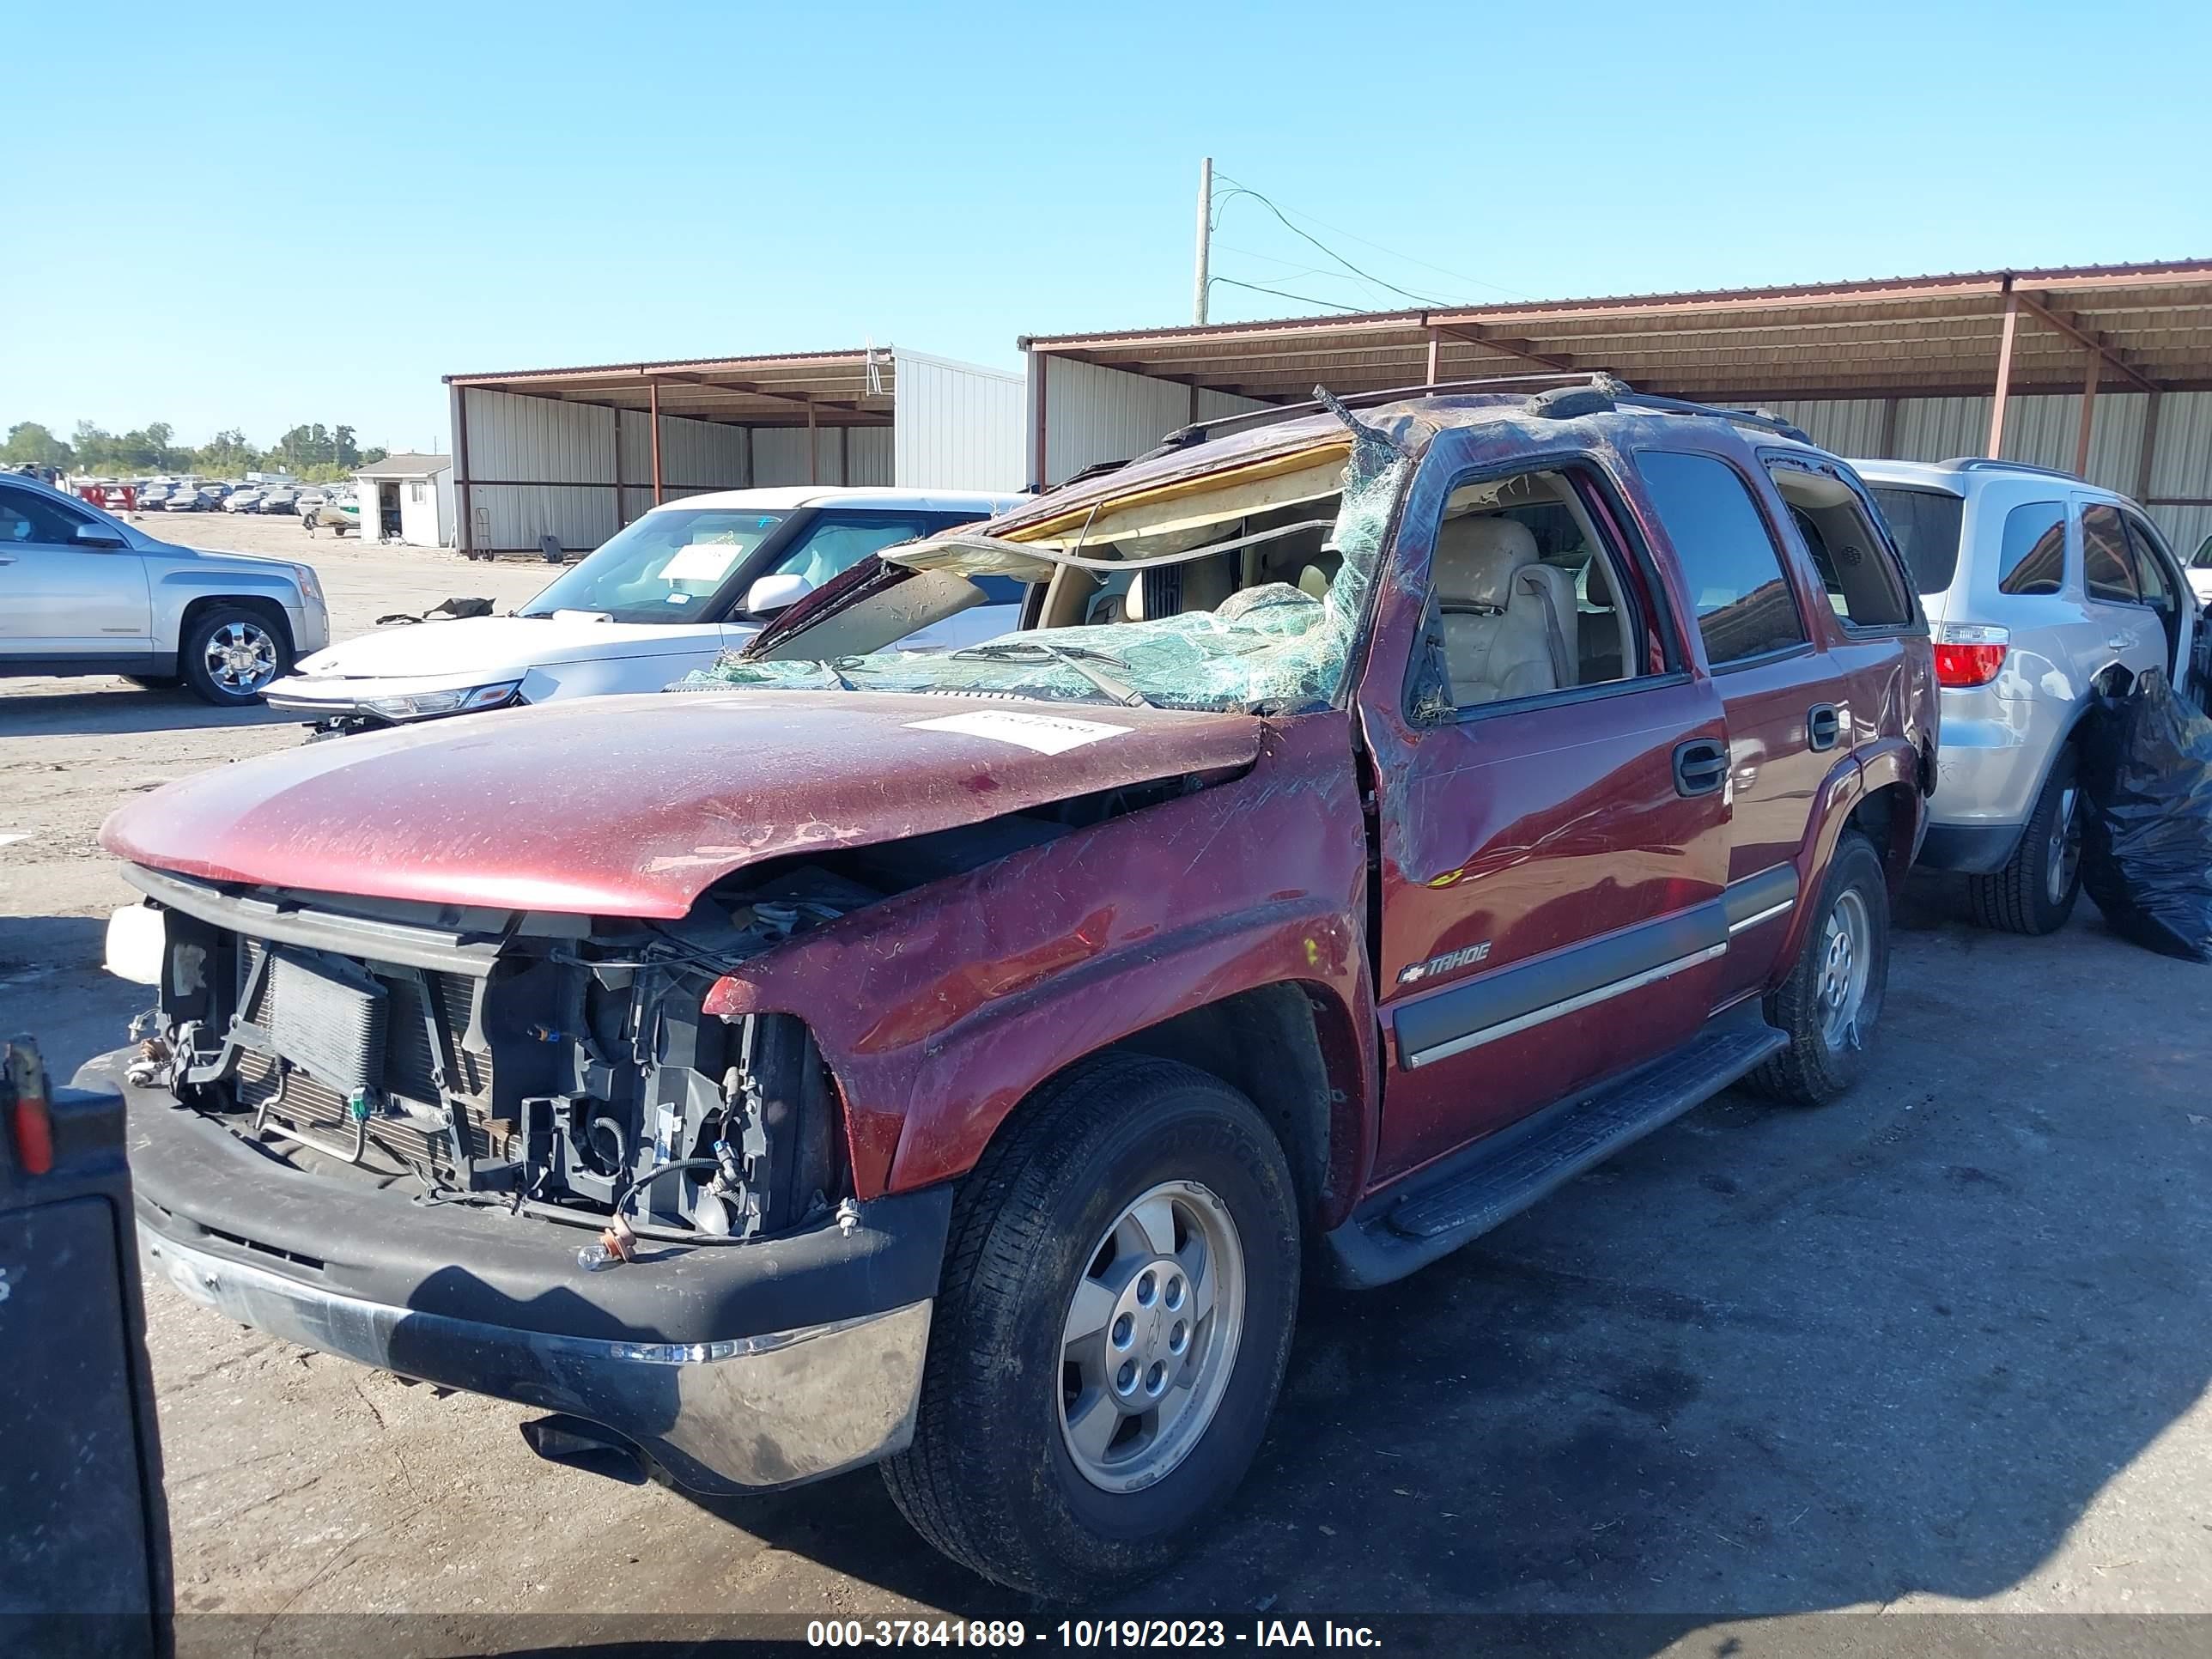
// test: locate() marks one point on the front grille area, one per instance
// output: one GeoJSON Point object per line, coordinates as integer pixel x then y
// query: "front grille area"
{"type": "Point", "coordinates": [318, 1112]}
{"type": "Point", "coordinates": [391, 1050]}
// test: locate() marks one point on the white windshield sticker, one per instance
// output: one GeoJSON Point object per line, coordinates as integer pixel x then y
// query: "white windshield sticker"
{"type": "Point", "coordinates": [701, 562]}
{"type": "Point", "coordinates": [1048, 734]}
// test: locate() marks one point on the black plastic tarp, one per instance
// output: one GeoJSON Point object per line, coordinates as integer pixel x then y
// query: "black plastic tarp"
{"type": "Point", "coordinates": [2147, 849]}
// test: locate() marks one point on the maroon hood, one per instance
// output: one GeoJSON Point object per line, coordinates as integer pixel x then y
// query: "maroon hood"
{"type": "Point", "coordinates": [632, 807]}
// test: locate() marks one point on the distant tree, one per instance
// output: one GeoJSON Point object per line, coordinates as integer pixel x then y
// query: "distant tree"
{"type": "Point", "coordinates": [372, 454]}
{"type": "Point", "coordinates": [29, 441]}
{"type": "Point", "coordinates": [314, 451]}
{"type": "Point", "coordinates": [227, 453]}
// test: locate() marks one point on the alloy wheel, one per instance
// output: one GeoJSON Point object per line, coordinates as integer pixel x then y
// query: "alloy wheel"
{"type": "Point", "coordinates": [2064, 857]}
{"type": "Point", "coordinates": [1149, 1338]}
{"type": "Point", "coordinates": [241, 657]}
{"type": "Point", "coordinates": [1846, 958]}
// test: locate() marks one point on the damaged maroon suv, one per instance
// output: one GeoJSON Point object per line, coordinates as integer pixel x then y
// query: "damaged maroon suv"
{"type": "Point", "coordinates": [954, 1060]}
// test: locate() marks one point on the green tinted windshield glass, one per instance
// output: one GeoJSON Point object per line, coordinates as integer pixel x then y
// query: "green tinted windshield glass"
{"type": "Point", "coordinates": [1282, 640]}
{"type": "Point", "coordinates": [661, 569]}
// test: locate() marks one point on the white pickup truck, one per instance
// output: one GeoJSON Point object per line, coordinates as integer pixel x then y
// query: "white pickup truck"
{"type": "Point", "coordinates": [83, 592]}
{"type": "Point", "coordinates": [660, 598]}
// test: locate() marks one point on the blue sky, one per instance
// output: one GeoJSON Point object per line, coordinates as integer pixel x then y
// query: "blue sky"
{"type": "Point", "coordinates": [261, 217]}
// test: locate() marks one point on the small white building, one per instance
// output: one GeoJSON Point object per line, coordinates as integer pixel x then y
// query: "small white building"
{"type": "Point", "coordinates": [407, 499]}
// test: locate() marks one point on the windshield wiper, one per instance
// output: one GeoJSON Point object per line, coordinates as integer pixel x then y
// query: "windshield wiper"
{"type": "Point", "coordinates": [1078, 656]}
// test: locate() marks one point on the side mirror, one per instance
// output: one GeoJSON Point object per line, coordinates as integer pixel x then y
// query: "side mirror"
{"type": "Point", "coordinates": [772, 593]}
{"type": "Point", "coordinates": [96, 534]}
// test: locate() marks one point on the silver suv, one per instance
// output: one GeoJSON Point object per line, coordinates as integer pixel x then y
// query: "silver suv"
{"type": "Point", "coordinates": [83, 592]}
{"type": "Point", "coordinates": [2042, 591]}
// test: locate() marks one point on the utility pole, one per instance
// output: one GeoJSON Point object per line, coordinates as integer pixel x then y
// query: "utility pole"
{"type": "Point", "coordinates": [1205, 238]}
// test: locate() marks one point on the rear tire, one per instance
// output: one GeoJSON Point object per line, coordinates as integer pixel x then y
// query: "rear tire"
{"type": "Point", "coordinates": [1828, 1006]}
{"type": "Point", "coordinates": [1059, 1457]}
{"type": "Point", "coordinates": [2036, 890]}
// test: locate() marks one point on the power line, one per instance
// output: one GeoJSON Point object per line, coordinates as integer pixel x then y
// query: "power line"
{"type": "Point", "coordinates": [1285, 293]}
{"type": "Point", "coordinates": [1365, 276]}
{"type": "Point", "coordinates": [1286, 214]}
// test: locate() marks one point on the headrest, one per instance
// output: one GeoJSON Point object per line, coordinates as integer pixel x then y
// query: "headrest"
{"type": "Point", "coordinates": [1476, 558]}
{"type": "Point", "coordinates": [1597, 584]}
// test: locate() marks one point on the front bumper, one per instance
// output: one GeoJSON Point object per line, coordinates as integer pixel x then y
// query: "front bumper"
{"type": "Point", "coordinates": [735, 1368]}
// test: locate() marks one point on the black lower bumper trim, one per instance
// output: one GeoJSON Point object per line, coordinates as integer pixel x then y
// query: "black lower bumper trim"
{"type": "Point", "coordinates": [202, 1186]}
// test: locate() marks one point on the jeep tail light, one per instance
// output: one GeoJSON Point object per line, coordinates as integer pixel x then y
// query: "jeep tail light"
{"type": "Point", "coordinates": [1968, 653]}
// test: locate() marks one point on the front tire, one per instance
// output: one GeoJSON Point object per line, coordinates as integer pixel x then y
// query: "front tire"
{"type": "Point", "coordinates": [1120, 1288]}
{"type": "Point", "coordinates": [1828, 1006]}
{"type": "Point", "coordinates": [230, 654]}
{"type": "Point", "coordinates": [2036, 890]}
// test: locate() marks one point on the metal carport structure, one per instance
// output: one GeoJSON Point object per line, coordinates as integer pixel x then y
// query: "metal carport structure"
{"type": "Point", "coordinates": [2106, 371]}
{"type": "Point", "coordinates": [576, 453]}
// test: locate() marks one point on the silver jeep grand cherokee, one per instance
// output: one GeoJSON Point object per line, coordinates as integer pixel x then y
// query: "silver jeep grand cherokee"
{"type": "Point", "coordinates": [2042, 591]}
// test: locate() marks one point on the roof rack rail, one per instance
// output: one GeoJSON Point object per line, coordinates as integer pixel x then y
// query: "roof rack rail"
{"type": "Point", "coordinates": [1198, 431]}
{"type": "Point", "coordinates": [1759, 419]}
{"type": "Point", "coordinates": [1994, 464]}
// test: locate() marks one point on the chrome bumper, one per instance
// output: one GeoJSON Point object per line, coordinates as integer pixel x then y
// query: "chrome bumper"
{"type": "Point", "coordinates": [752, 1413]}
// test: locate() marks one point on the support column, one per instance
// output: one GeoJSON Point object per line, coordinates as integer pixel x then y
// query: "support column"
{"type": "Point", "coordinates": [1885, 443]}
{"type": "Point", "coordinates": [813, 448]}
{"type": "Point", "coordinates": [2148, 452]}
{"type": "Point", "coordinates": [614, 411]}
{"type": "Point", "coordinates": [845, 455]}
{"type": "Point", "coordinates": [2088, 416]}
{"type": "Point", "coordinates": [653, 392]}
{"type": "Point", "coordinates": [2004, 375]}
{"type": "Point", "coordinates": [1043, 366]}
{"type": "Point", "coordinates": [463, 506]}
{"type": "Point", "coordinates": [1436, 353]}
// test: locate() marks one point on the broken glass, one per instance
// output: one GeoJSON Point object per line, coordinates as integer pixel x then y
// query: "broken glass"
{"type": "Point", "coordinates": [1269, 646]}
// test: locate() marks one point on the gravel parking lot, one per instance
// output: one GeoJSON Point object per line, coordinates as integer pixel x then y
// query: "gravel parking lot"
{"type": "Point", "coordinates": [1942, 1347]}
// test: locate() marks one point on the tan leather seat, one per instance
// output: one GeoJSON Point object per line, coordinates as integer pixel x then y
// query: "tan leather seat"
{"type": "Point", "coordinates": [1505, 613]}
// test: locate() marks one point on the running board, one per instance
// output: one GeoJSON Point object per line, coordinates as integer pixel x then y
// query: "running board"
{"type": "Point", "coordinates": [1504, 1173]}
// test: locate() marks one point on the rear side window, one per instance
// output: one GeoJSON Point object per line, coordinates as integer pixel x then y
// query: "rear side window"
{"type": "Point", "coordinates": [2150, 570]}
{"type": "Point", "coordinates": [2033, 559]}
{"type": "Point", "coordinates": [1729, 564]}
{"type": "Point", "coordinates": [1924, 523]}
{"type": "Point", "coordinates": [2107, 572]}
{"type": "Point", "coordinates": [1856, 572]}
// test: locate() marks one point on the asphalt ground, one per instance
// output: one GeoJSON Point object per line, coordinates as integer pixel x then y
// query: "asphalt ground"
{"type": "Point", "coordinates": [1940, 1349]}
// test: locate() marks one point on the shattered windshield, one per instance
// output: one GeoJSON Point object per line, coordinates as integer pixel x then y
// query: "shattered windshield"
{"type": "Point", "coordinates": [1228, 594]}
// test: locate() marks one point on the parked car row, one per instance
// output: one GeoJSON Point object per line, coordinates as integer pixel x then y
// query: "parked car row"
{"type": "Point", "coordinates": [192, 497]}
{"type": "Point", "coordinates": [946, 1033]}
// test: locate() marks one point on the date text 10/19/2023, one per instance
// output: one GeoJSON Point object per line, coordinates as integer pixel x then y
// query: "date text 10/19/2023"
{"type": "Point", "coordinates": [1086, 1633]}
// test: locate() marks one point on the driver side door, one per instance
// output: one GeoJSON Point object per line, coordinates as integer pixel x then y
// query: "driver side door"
{"type": "Point", "coordinates": [60, 597]}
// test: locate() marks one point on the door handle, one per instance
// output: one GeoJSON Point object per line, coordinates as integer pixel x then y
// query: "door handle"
{"type": "Point", "coordinates": [1700, 767]}
{"type": "Point", "coordinates": [2118, 642]}
{"type": "Point", "coordinates": [7, 558]}
{"type": "Point", "coordinates": [1823, 726]}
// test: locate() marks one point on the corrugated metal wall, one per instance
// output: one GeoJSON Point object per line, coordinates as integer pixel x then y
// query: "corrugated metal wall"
{"type": "Point", "coordinates": [2042, 431]}
{"type": "Point", "coordinates": [780, 456]}
{"type": "Point", "coordinates": [958, 426]}
{"type": "Point", "coordinates": [1093, 414]}
{"type": "Point", "coordinates": [538, 467]}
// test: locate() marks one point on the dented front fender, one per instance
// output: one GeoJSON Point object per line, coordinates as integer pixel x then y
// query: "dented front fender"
{"type": "Point", "coordinates": [939, 1011]}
